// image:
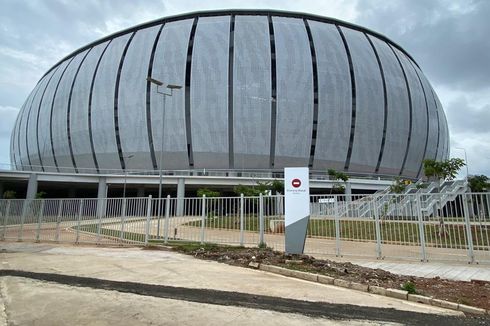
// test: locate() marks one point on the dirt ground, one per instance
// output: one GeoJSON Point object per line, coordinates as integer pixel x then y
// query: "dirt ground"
{"type": "Point", "coordinates": [474, 293]}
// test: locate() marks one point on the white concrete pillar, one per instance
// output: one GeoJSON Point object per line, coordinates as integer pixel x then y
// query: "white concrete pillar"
{"type": "Point", "coordinates": [32, 186]}
{"type": "Point", "coordinates": [348, 188]}
{"type": "Point", "coordinates": [101, 196]}
{"type": "Point", "coordinates": [348, 196]}
{"type": "Point", "coordinates": [102, 190]}
{"type": "Point", "coordinates": [180, 196]}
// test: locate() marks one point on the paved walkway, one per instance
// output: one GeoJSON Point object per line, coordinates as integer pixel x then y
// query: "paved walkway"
{"type": "Point", "coordinates": [449, 270]}
{"type": "Point", "coordinates": [179, 290]}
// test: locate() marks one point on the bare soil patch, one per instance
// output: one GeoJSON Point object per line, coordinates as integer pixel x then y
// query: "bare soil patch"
{"type": "Point", "coordinates": [474, 293]}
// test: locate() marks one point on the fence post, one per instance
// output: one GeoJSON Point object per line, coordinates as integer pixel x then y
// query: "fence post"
{"type": "Point", "coordinates": [378, 230]}
{"type": "Point", "coordinates": [421, 228]}
{"type": "Point", "coordinates": [39, 221]}
{"type": "Point", "coordinates": [167, 216]}
{"type": "Point", "coordinates": [148, 216]}
{"type": "Point", "coordinates": [241, 220]}
{"type": "Point", "coordinates": [486, 211]}
{"type": "Point", "coordinates": [25, 208]}
{"type": "Point", "coordinates": [123, 217]}
{"type": "Point", "coordinates": [337, 226]}
{"type": "Point", "coordinates": [58, 218]}
{"type": "Point", "coordinates": [159, 212]}
{"type": "Point", "coordinates": [203, 218]}
{"type": "Point", "coordinates": [7, 213]}
{"type": "Point", "coordinates": [469, 236]}
{"type": "Point", "coordinates": [78, 220]}
{"type": "Point", "coordinates": [261, 220]}
{"type": "Point", "coordinates": [101, 205]}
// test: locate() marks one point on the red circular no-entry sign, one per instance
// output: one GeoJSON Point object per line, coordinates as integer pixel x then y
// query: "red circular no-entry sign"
{"type": "Point", "coordinates": [296, 183]}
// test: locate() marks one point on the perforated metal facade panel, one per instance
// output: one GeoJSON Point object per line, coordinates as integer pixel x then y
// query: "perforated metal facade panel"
{"type": "Point", "coordinates": [444, 132]}
{"type": "Point", "coordinates": [59, 136]}
{"type": "Point", "coordinates": [169, 66]}
{"type": "Point", "coordinates": [433, 119]}
{"type": "Point", "coordinates": [369, 103]}
{"type": "Point", "coordinates": [418, 139]}
{"type": "Point", "coordinates": [39, 140]}
{"type": "Point", "coordinates": [261, 90]}
{"type": "Point", "coordinates": [21, 130]}
{"type": "Point", "coordinates": [251, 92]}
{"type": "Point", "coordinates": [335, 100]}
{"type": "Point", "coordinates": [209, 93]}
{"type": "Point", "coordinates": [294, 93]}
{"type": "Point", "coordinates": [132, 101]}
{"type": "Point", "coordinates": [79, 110]}
{"type": "Point", "coordinates": [103, 129]}
{"type": "Point", "coordinates": [398, 110]}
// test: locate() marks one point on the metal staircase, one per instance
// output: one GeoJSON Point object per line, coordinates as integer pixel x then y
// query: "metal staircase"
{"type": "Point", "coordinates": [389, 204]}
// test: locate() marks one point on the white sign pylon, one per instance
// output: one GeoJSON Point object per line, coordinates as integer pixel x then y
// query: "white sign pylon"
{"type": "Point", "coordinates": [297, 208]}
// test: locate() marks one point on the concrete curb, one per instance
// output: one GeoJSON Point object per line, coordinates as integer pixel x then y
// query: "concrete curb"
{"type": "Point", "coordinates": [388, 292]}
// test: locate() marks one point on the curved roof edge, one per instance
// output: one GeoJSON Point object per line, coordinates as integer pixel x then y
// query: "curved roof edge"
{"type": "Point", "coordinates": [222, 12]}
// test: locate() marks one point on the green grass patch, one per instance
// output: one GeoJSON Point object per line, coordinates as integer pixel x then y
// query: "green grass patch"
{"type": "Point", "coordinates": [392, 232]}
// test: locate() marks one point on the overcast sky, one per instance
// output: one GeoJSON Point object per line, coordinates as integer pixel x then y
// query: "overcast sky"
{"type": "Point", "coordinates": [448, 39]}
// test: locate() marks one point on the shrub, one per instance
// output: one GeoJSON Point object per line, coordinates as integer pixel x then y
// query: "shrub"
{"type": "Point", "coordinates": [409, 287]}
{"type": "Point", "coordinates": [9, 194]}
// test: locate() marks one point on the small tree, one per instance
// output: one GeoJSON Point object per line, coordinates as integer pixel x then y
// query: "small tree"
{"type": "Point", "coordinates": [40, 194]}
{"type": "Point", "coordinates": [442, 170]}
{"type": "Point", "coordinates": [247, 191]}
{"type": "Point", "coordinates": [213, 206]}
{"type": "Point", "coordinates": [263, 188]}
{"type": "Point", "coordinates": [479, 183]}
{"type": "Point", "coordinates": [338, 177]}
{"type": "Point", "coordinates": [9, 194]}
{"type": "Point", "coordinates": [207, 192]}
{"type": "Point", "coordinates": [277, 186]}
{"type": "Point", "coordinates": [398, 186]}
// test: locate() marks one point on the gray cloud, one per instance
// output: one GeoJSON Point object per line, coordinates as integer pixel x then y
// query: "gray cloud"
{"type": "Point", "coordinates": [464, 118]}
{"type": "Point", "coordinates": [449, 40]}
{"type": "Point", "coordinates": [34, 35]}
{"type": "Point", "coordinates": [8, 115]}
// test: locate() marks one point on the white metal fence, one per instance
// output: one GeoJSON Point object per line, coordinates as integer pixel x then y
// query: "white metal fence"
{"type": "Point", "coordinates": [414, 226]}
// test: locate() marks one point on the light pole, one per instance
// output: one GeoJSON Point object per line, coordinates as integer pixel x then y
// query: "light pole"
{"type": "Point", "coordinates": [126, 174]}
{"type": "Point", "coordinates": [465, 160]}
{"type": "Point", "coordinates": [160, 166]}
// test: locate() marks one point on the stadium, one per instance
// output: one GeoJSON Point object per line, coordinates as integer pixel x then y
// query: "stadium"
{"type": "Point", "coordinates": [246, 90]}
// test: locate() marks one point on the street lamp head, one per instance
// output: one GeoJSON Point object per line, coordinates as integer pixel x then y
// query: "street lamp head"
{"type": "Point", "coordinates": [130, 156]}
{"type": "Point", "coordinates": [154, 81]}
{"type": "Point", "coordinates": [174, 86]}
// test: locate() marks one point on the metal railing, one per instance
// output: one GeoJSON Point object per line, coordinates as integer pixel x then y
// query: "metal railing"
{"type": "Point", "coordinates": [458, 229]}
{"type": "Point", "coordinates": [245, 173]}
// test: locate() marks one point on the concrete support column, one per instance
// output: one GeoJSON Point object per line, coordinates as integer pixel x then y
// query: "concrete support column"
{"type": "Point", "coordinates": [32, 186]}
{"type": "Point", "coordinates": [101, 196]}
{"type": "Point", "coordinates": [348, 189]}
{"type": "Point", "coordinates": [348, 196]}
{"type": "Point", "coordinates": [141, 192]}
{"type": "Point", "coordinates": [180, 196]}
{"type": "Point", "coordinates": [1, 190]}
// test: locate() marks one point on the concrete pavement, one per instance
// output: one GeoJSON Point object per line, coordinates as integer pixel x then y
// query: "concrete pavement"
{"type": "Point", "coordinates": [458, 271]}
{"type": "Point", "coordinates": [208, 286]}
